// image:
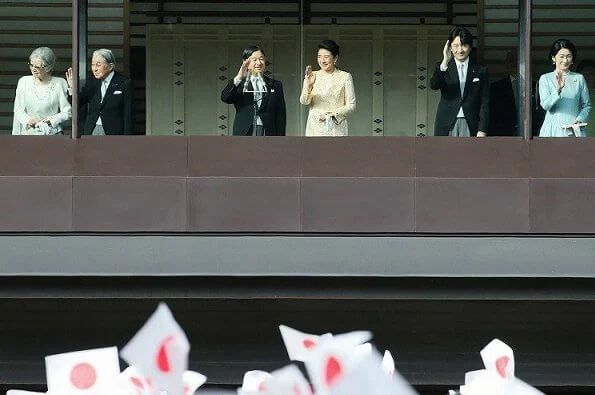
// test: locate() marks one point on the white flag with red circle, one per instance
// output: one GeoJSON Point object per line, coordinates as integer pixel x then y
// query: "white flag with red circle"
{"type": "Point", "coordinates": [160, 350]}
{"type": "Point", "coordinates": [192, 381]}
{"type": "Point", "coordinates": [300, 344]}
{"type": "Point", "coordinates": [367, 377]}
{"type": "Point", "coordinates": [331, 359]}
{"type": "Point", "coordinates": [83, 372]}
{"type": "Point", "coordinates": [498, 357]}
{"type": "Point", "coordinates": [135, 382]}
{"type": "Point", "coordinates": [489, 382]}
{"type": "Point", "coordinates": [286, 381]}
{"type": "Point", "coordinates": [253, 381]}
{"type": "Point", "coordinates": [388, 364]}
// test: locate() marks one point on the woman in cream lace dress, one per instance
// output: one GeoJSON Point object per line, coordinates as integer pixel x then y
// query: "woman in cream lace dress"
{"type": "Point", "coordinates": [329, 93]}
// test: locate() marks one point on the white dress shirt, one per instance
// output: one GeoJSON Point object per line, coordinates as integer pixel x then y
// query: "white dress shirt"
{"type": "Point", "coordinates": [462, 68]}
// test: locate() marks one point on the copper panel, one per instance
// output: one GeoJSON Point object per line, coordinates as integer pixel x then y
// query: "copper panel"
{"type": "Point", "coordinates": [358, 157]}
{"type": "Point", "coordinates": [357, 204]}
{"type": "Point", "coordinates": [36, 156]}
{"type": "Point", "coordinates": [244, 204]}
{"type": "Point", "coordinates": [131, 156]}
{"type": "Point", "coordinates": [505, 157]}
{"type": "Point", "coordinates": [244, 156]}
{"type": "Point", "coordinates": [562, 157]}
{"type": "Point", "coordinates": [36, 204]}
{"type": "Point", "coordinates": [563, 205]}
{"type": "Point", "coordinates": [472, 205]}
{"type": "Point", "coordinates": [129, 204]}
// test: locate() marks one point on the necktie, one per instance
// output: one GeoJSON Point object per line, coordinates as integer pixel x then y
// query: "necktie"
{"type": "Point", "coordinates": [256, 86]}
{"type": "Point", "coordinates": [103, 88]}
{"type": "Point", "coordinates": [462, 78]}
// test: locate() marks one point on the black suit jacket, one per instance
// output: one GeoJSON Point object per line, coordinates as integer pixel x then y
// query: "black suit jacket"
{"type": "Point", "coordinates": [503, 113]}
{"type": "Point", "coordinates": [475, 100]}
{"type": "Point", "coordinates": [271, 110]}
{"type": "Point", "coordinates": [116, 109]}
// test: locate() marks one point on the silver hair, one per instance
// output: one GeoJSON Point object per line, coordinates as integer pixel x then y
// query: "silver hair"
{"type": "Point", "coordinates": [107, 55]}
{"type": "Point", "coordinates": [47, 57]}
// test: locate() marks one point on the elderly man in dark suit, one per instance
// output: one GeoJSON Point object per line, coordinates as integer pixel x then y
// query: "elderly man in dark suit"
{"type": "Point", "coordinates": [464, 106]}
{"type": "Point", "coordinates": [257, 98]}
{"type": "Point", "coordinates": [108, 97]}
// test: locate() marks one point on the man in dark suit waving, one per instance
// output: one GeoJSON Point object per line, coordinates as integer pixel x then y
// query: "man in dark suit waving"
{"type": "Point", "coordinates": [257, 98]}
{"type": "Point", "coordinates": [464, 106]}
{"type": "Point", "coordinates": [108, 97]}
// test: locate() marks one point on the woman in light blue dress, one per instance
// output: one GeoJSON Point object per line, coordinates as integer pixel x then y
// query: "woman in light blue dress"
{"type": "Point", "coordinates": [563, 94]}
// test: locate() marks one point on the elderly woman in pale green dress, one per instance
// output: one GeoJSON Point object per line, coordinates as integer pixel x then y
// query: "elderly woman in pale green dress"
{"type": "Point", "coordinates": [564, 95]}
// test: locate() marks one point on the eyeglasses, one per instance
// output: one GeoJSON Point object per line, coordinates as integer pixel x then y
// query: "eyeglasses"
{"type": "Point", "coordinates": [38, 68]}
{"type": "Point", "coordinates": [100, 64]}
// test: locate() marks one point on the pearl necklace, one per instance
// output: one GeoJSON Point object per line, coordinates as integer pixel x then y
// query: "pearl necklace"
{"type": "Point", "coordinates": [42, 94]}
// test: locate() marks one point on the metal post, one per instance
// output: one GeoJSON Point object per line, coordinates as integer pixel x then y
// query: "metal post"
{"type": "Point", "coordinates": [524, 105]}
{"type": "Point", "coordinates": [79, 57]}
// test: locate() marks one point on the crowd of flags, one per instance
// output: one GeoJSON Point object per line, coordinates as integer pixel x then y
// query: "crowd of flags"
{"type": "Point", "coordinates": [336, 364]}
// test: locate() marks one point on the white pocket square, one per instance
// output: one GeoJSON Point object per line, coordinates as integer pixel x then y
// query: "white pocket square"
{"type": "Point", "coordinates": [117, 92]}
{"type": "Point", "coordinates": [475, 79]}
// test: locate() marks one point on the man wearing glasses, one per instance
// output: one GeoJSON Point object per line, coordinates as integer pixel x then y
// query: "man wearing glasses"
{"type": "Point", "coordinates": [108, 98]}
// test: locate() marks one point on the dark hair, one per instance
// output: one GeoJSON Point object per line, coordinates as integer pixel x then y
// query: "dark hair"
{"type": "Point", "coordinates": [463, 33]}
{"type": "Point", "coordinates": [330, 46]}
{"type": "Point", "coordinates": [250, 50]}
{"type": "Point", "coordinates": [558, 45]}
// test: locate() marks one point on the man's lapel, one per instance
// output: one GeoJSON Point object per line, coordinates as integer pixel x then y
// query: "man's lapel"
{"type": "Point", "coordinates": [469, 78]}
{"type": "Point", "coordinates": [453, 74]}
{"type": "Point", "coordinates": [265, 96]}
{"type": "Point", "coordinates": [111, 88]}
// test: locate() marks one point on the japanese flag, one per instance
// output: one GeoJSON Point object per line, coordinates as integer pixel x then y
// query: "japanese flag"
{"type": "Point", "coordinates": [192, 381]}
{"type": "Point", "coordinates": [388, 364]}
{"type": "Point", "coordinates": [253, 381]}
{"type": "Point", "coordinates": [329, 362]}
{"type": "Point", "coordinates": [487, 382]}
{"type": "Point", "coordinates": [135, 382]}
{"type": "Point", "coordinates": [366, 376]}
{"type": "Point", "coordinates": [499, 358]}
{"type": "Point", "coordinates": [286, 381]}
{"type": "Point", "coordinates": [519, 387]}
{"type": "Point", "coordinates": [362, 350]}
{"type": "Point", "coordinates": [160, 350]}
{"type": "Point", "coordinates": [299, 344]}
{"type": "Point", "coordinates": [472, 375]}
{"type": "Point", "coordinates": [83, 372]}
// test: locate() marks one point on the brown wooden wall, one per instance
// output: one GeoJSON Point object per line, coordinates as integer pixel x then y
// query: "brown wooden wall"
{"type": "Point", "coordinates": [357, 184]}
